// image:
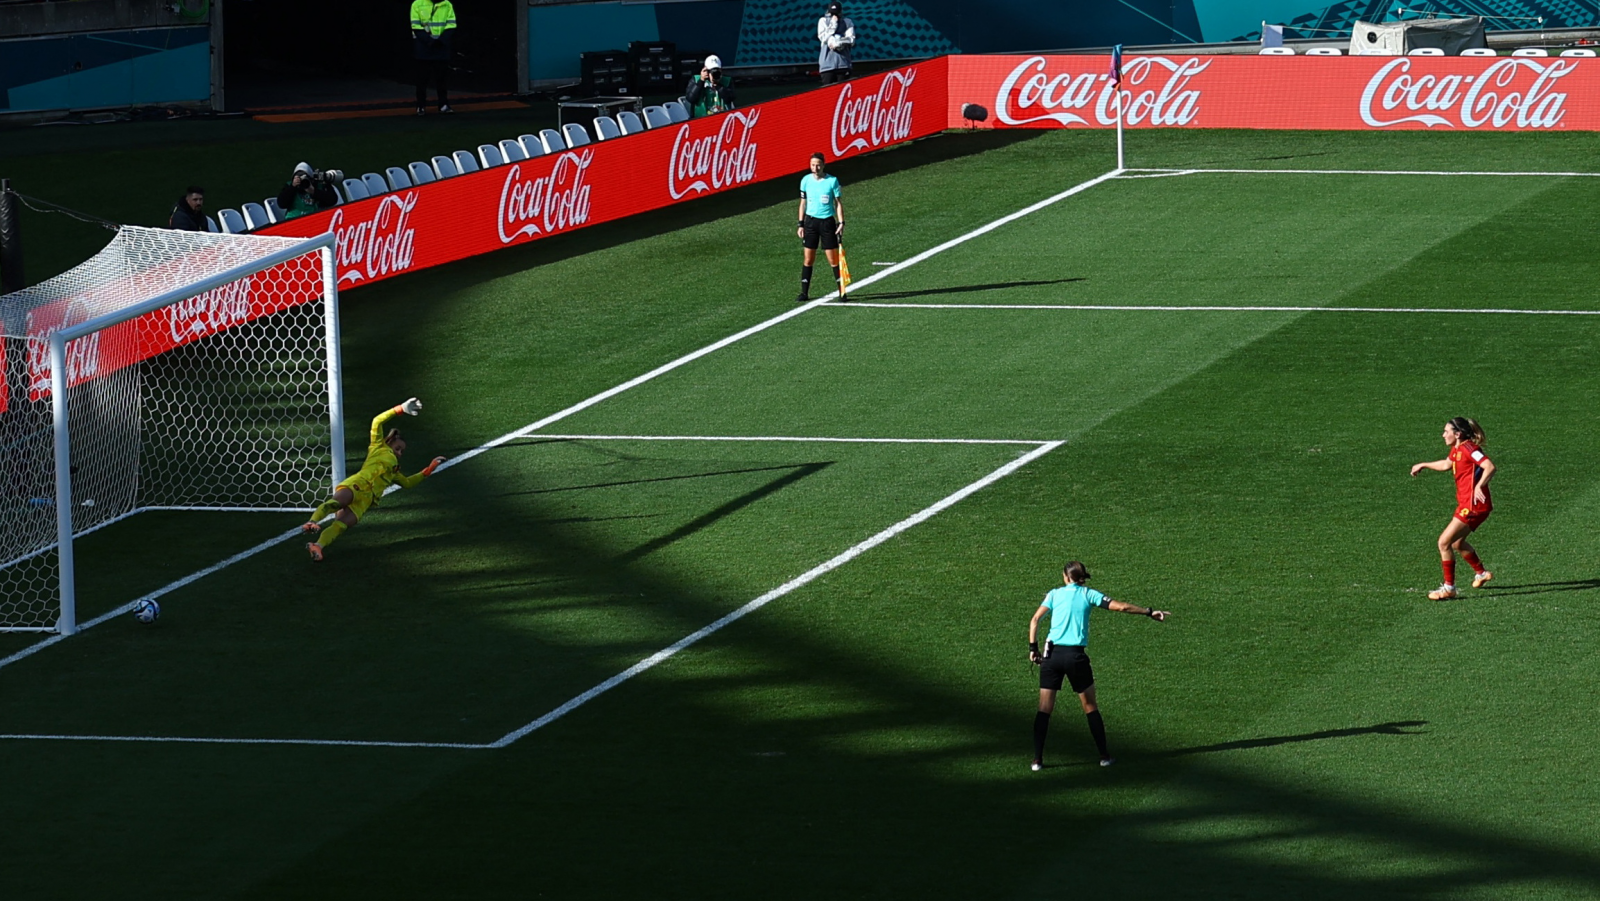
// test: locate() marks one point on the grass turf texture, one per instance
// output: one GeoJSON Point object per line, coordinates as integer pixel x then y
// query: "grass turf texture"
{"type": "Point", "coordinates": [1305, 726]}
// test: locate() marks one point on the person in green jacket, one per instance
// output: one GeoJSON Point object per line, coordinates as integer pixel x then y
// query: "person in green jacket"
{"type": "Point", "coordinates": [432, 25]}
{"type": "Point", "coordinates": [710, 91]}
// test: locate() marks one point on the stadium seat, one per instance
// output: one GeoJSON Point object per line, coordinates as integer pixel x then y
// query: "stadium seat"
{"type": "Point", "coordinates": [421, 173]}
{"type": "Point", "coordinates": [512, 152]}
{"type": "Point", "coordinates": [398, 179]}
{"type": "Point", "coordinates": [552, 140]}
{"type": "Point", "coordinates": [628, 121]}
{"type": "Point", "coordinates": [656, 117]}
{"type": "Point", "coordinates": [465, 161]}
{"type": "Point", "coordinates": [375, 184]}
{"type": "Point", "coordinates": [676, 111]}
{"type": "Point", "coordinates": [1324, 51]}
{"type": "Point", "coordinates": [606, 128]}
{"type": "Point", "coordinates": [1276, 51]}
{"type": "Point", "coordinates": [444, 167]}
{"type": "Point", "coordinates": [1478, 51]}
{"type": "Point", "coordinates": [355, 189]}
{"type": "Point", "coordinates": [1530, 51]}
{"type": "Point", "coordinates": [1578, 52]}
{"type": "Point", "coordinates": [1425, 51]}
{"type": "Point", "coordinates": [575, 135]}
{"type": "Point", "coordinates": [255, 216]}
{"type": "Point", "coordinates": [531, 145]}
{"type": "Point", "coordinates": [275, 212]}
{"type": "Point", "coordinates": [232, 222]}
{"type": "Point", "coordinates": [489, 156]}
{"type": "Point", "coordinates": [211, 225]}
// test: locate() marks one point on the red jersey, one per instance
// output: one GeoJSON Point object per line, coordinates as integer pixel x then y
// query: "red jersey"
{"type": "Point", "coordinates": [1466, 464]}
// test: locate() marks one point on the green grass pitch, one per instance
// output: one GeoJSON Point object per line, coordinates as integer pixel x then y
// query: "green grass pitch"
{"type": "Point", "coordinates": [1307, 725]}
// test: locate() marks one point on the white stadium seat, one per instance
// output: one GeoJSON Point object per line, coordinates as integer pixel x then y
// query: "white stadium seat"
{"type": "Point", "coordinates": [232, 222]}
{"type": "Point", "coordinates": [629, 122]}
{"type": "Point", "coordinates": [398, 179]}
{"type": "Point", "coordinates": [552, 140]}
{"type": "Point", "coordinates": [444, 167]}
{"type": "Point", "coordinates": [656, 117]}
{"type": "Point", "coordinates": [375, 184]}
{"type": "Point", "coordinates": [275, 212]}
{"type": "Point", "coordinates": [211, 225]}
{"type": "Point", "coordinates": [465, 161]}
{"type": "Point", "coordinates": [255, 216]}
{"type": "Point", "coordinates": [1478, 51]}
{"type": "Point", "coordinates": [531, 145]}
{"type": "Point", "coordinates": [1324, 51]}
{"type": "Point", "coordinates": [1425, 51]}
{"type": "Point", "coordinates": [1277, 51]}
{"type": "Point", "coordinates": [421, 173]}
{"type": "Point", "coordinates": [1530, 51]}
{"type": "Point", "coordinates": [676, 111]}
{"type": "Point", "coordinates": [355, 189]}
{"type": "Point", "coordinates": [606, 128]}
{"type": "Point", "coordinates": [1578, 52]}
{"type": "Point", "coordinates": [489, 156]}
{"type": "Point", "coordinates": [511, 151]}
{"type": "Point", "coordinates": [575, 135]}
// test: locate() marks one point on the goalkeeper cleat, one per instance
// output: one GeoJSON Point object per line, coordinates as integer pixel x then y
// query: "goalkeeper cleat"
{"type": "Point", "coordinates": [1442, 593]}
{"type": "Point", "coordinates": [1037, 765]}
{"type": "Point", "coordinates": [310, 528]}
{"type": "Point", "coordinates": [1481, 579]}
{"type": "Point", "coordinates": [1107, 761]}
{"type": "Point", "coordinates": [315, 550]}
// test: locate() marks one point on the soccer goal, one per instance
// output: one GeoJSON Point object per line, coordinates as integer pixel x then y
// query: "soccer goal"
{"type": "Point", "coordinates": [172, 371]}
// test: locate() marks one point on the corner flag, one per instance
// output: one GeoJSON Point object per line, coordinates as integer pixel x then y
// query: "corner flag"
{"type": "Point", "coordinates": [1116, 66]}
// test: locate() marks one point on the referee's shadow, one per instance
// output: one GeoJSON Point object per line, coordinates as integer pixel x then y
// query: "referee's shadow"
{"type": "Point", "coordinates": [962, 289]}
{"type": "Point", "coordinates": [1542, 587]}
{"type": "Point", "coordinates": [1401, 727]}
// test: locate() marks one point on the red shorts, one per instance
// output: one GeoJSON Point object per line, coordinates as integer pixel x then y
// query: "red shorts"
{"type": "Point", "coordinates": [1473, 518]}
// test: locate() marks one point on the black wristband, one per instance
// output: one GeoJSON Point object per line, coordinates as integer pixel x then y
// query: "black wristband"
{"type": "Point", "coordinates": [1033, 646]}
{"type": "Point", "coordinates": [1150, 612]}
{"type": "Point", "coordinates": [801, 223]}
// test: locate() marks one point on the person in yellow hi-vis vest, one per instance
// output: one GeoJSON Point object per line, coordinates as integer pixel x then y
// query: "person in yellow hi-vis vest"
{"type": "Point", "coordinates": [432, 25]}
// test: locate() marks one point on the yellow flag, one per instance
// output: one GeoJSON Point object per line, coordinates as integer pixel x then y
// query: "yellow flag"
{"type": "Point", "coordinates": [844, 270]}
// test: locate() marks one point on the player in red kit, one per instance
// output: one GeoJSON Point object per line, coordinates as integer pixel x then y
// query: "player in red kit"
{"type": "Point", "coordinates": [1473, 470]}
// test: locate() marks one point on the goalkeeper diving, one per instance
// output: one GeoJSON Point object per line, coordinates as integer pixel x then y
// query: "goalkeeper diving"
{"type": "Point", "coordinates": [355, 495]}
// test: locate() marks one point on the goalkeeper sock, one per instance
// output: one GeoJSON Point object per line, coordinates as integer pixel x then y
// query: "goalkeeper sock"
{"type": "Point", "coordinates": [328, 506]}
{"type": "Point", "coordinates": [334, 530]}
{"type": "Point", "coordinates": [1041, 725]}
{"type": "Point", "coordinates": [805, 280]}
{"type": "Point", "coordinates": [1097, 728]}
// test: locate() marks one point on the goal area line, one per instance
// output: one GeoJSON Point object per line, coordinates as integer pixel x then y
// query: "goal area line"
{"type": "Point", "coordinates": [642, 666]}
{"type": "Point", "coordinates": [1139, 173]}
{"type": "Point", "coordinates": [796, 439]}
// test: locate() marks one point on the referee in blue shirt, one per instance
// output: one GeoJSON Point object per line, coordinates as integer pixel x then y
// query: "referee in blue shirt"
{"type": "Point", "coordinates": [821, 222]}
{"type": "Point", "coordinates": [1065, 657]}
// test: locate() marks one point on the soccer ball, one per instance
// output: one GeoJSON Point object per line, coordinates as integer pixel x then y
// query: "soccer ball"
{"type": "Point", "coordinates": [147, 611]}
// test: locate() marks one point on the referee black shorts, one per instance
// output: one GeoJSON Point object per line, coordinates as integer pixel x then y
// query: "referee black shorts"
{"type": "Point", "coordinates": [820, 233]}
{"type": "Point", "coordinates": [1068, 662]}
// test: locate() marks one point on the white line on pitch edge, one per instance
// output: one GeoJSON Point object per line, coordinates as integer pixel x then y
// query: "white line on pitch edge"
{"type": "Point", "coordinates": [797, 439]}
{"type": "Point", "coordinates": [1367, 172]}
{"type": "Point", "coordinates": [583, 405]}
{"type": "Point", "coordinates": [1204, 309]}
{"type": "Point", "coordinates": [843, 558]}
{"type": "Point", "coordinates": [319, 742]}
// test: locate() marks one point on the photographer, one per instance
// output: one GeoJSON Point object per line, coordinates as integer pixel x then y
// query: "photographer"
{"type": "Point", "coordinates": [308, 191]}
{"type": "Point", "coordinates": [189, 214]}
{"type": "Point", "coordinates": [710, 91]}
{"type": "Point", "coordinates": [837, 35]}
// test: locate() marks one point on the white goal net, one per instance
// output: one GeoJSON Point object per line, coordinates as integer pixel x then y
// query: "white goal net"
{"type": "Point", "coordinates": [173, 370]}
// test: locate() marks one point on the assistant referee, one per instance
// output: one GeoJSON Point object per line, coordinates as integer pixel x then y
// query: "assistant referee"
{"type": "Point", "coordinates": [1065, 657]}
{"type": "Point", "coordinates": [821, 221]}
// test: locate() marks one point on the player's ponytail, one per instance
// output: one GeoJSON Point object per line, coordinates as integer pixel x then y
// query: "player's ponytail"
{"type": "Point", "coordinates": [1076, 572]}
{"type": "Point", "coordinates": [1468, 429]}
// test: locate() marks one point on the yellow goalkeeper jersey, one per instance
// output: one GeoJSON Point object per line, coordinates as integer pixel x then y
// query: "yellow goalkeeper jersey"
{"type": "Point", "coordinates": [382, 467]}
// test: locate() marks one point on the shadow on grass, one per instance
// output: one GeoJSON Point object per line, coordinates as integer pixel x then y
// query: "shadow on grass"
{"type": "Point", "coordinates": [1502, 589]}
{"type": "Point", "coordinates": [1395, 728]}
{"type": "Point", "coordinates": [962, 289]}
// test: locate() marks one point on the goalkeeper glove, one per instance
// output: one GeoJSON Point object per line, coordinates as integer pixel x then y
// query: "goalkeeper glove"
{"type": "Point", "coordinates": [428, 470]}
{"type": "Point", "coordinates": [411, 407]}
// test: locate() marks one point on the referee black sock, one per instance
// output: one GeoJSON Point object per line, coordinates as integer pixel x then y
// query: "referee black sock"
{"type": "Point", "coordinates": [805, 280]}
{"type": "Point", "coordinates": [1097, 728]}
{"type": "Point", "coordinates": [836, 273]}
{"type": "Point", "coordinates": [1041, 725]}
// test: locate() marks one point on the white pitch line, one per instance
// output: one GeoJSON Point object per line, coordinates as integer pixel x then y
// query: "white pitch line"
{"type": "Point", "coordinates": [1368, 172]}
{"type": "Point", "coordinates": [811, 574]}
{"type": "Point", "coordinates": [317, 742]}
{"type": "Point", "coordinates": [796, 439]}
{"type": "Point", "coordinates": [1205, 309]}
{"type": "Point", "coordinates": [602, 396]}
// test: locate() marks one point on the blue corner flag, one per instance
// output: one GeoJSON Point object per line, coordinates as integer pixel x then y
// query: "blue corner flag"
{"type": "Point", "coordinates": [1116, 65]}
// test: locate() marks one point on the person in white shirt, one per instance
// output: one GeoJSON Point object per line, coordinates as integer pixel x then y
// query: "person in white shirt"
{"type": "Point", "coordinates": [837, 35]}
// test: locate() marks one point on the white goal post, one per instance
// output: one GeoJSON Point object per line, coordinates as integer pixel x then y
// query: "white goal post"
{"type": "Point", "coordinates": [173, 370]}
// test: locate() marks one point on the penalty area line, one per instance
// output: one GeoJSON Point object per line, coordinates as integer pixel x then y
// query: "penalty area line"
{"type": "Point", "coordinates": [1367, 172]}
{"type": "Point", "coordinates": [792, 438]}
{"type": "Point", "coordinates": [534, 427]}
{"type": "Point", "coordinates": [1134, 308]}
{"type": "Point", "coordinates": [666, 653]}
{"type": "Point", "coordinates": [313, 742]}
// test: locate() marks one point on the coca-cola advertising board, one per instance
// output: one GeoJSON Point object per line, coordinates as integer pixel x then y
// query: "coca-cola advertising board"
{"type": "Point", "coordinates": [1446, 93]}
{"type": "Point", "coordinates": [471, 214]}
